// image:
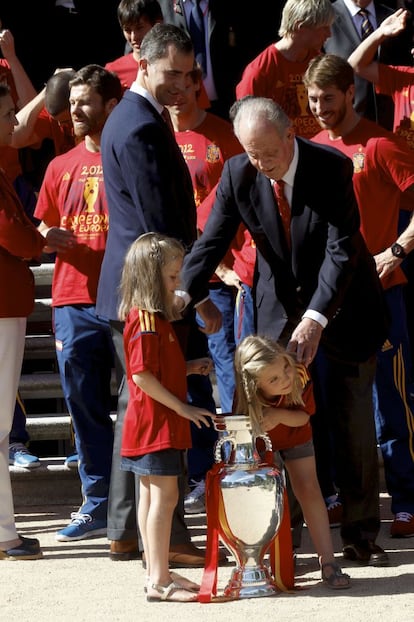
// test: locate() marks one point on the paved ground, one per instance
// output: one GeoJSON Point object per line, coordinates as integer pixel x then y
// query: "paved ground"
{"type": "Point", "coordinates": [76, 582]}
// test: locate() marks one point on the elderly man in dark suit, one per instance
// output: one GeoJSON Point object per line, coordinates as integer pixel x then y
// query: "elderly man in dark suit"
{"type": "Point", "coordinates": [354, 20]}
{"type": "Point", "coordinates": [316, 287]}
{"type": "Point", "coordinates": [148, 188]}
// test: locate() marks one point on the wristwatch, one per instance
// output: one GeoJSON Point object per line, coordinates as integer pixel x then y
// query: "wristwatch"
{"type": "Point", "coordinates": [398, 251]}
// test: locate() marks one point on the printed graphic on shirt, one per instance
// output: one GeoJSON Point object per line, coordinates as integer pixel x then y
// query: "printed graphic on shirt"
{"type": "Point", "coordinates": [85, 211]}
{"type": "Point", "coordinates": [358, 160]}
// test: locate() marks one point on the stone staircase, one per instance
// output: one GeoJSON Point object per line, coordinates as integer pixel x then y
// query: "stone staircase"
{"type": "Point", "coordinates": [48, 422]}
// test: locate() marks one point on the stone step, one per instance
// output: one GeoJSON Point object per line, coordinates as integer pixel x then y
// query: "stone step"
{"type": "Point", "coordinates": [40, 385]}
{"type": "Point", "coordinates": [51, 426]}
{"type": "Point", "coordinates": [39, 347]}
{"type": "Point", "coordinates": [43, 274]}
{"type": "Point", "coordinates": [45, 385]}
{"type": "Point", "coordinates": [41, 317]}
{"type": "Point", "coordinates": [50, 484]}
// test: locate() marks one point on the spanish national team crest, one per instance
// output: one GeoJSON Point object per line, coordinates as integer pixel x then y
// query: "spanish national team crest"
{"type": "Point", "coordinates": [213, 153]}
{"type": "Point", "coordinates": [359, 161]}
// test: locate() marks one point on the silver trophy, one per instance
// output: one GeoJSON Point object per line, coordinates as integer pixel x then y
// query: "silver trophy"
{"type": "Point", "coordinates": [252, 493]}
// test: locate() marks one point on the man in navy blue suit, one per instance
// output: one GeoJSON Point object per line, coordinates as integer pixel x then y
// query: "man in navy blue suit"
{"type": "Point", "coordinates": [148, 188]}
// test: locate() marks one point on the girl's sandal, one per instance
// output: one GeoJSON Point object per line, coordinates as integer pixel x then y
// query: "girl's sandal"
{"type": "Point", "coordinates": [184, 582]}
{"type": "Point", "coordinates": [335, 579]}
{"type": "Point", "coordinates": [180, 581]}
{"type": "Point", "coordinates": [170, 593]}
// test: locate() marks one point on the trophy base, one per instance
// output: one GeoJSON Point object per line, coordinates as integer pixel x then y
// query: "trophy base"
{"type": "Point", "coordinates": [250, 582]}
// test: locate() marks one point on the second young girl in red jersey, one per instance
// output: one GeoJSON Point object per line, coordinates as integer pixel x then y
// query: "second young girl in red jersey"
{"type": "Point", "coordinates": [276, 393]}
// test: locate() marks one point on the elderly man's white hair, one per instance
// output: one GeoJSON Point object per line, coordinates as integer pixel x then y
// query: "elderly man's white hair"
{"type": "Point", "coordinates": [252, 109]}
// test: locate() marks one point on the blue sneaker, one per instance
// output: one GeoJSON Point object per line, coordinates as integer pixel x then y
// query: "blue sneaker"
{"type": "Point", "coordinates": [71, 462]}
{"type": "Point", "coordinates": [81, 527]}
{"type": "Point", "coordinates": [20, 456]}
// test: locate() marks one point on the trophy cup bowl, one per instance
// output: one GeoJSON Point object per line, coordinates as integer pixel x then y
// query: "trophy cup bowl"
{"type": "Point", "coordinates": [252, 493]}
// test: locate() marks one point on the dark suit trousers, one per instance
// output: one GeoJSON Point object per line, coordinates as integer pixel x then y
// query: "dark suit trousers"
{"type": "Point", "coordinates": [344, 421]}
{"type": "Point", "coordinates": [124, 486]}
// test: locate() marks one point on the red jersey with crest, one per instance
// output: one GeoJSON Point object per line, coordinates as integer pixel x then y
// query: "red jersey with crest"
{"type": "Point", "coordinates": [286, 437]}
{"type": "Point", "coordinates": [151, 344]}
{"type": "Point", "coordinates": [205, 149]}
{"type": "Point", "coordinates": [73, 197]}
{"type": "Point", "coordinates": [383, 168]}
{"type": "Point", "coordinates": [271, 75]}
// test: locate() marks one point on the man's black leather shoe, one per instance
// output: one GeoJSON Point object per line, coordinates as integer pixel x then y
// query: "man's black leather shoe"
{"type": "Point", "coordinates": [366, 552]}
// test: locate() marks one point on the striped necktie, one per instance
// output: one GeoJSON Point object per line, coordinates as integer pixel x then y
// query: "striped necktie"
{"type": "Point", "coordinates": [366, 26]}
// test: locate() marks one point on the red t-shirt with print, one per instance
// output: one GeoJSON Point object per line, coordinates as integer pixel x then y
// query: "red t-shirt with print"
{"type": "Point", "coordinates": [73, 197]}
{"type": "Point", "coordinates": [271, 75]}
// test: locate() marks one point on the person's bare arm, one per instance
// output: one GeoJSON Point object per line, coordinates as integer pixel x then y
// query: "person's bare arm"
{"type": "Point", "coordinates": [151, 386]}
{"type": "Point", "coordinates": [24, 87]}
{"type": "Point", "coordinates": [362, 58]}
{"type": "Point", "coordinates": [24, 134]}
{"type": "Point", "coordinates": [386, 262]}
{"type": "Point", "coordinates": [292, 418]}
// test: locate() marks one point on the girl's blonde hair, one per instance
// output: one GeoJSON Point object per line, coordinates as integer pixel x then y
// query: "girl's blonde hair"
{"type": "Point", "coordinates": [252, 356]}
{"type": "Point", "coordinates": [142, 282]}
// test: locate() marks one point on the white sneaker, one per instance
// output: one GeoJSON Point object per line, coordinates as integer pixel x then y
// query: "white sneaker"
{"type": "Point", "coordinates": [194, 502]}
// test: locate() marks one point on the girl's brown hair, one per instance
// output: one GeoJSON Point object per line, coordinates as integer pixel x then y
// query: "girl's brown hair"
{"type": "Point", "coordinates": [142, 281]}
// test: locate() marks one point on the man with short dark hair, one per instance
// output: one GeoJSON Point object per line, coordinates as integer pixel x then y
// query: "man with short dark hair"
{"type": "Point", "coordinates": [149, 189]}
{"type": "Point", "coordinates": [73, 211]}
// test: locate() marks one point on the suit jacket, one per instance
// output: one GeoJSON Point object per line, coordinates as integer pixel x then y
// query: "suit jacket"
{"type": "Point", "coordinates": [235, 34]}
{"type": "Point", "coordinates": [148, 188]}
{"type": "Point", "coordinates": [329, 269]}
{"type": "Point", "coordinates": [396, 51]}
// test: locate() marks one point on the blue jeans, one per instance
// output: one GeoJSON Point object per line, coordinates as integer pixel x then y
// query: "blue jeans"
{"type": "Point", "coordinates": [85, 356]}
{"type": "Point", "coordinates": [19, 433]}
{"type": "Point", "coordinates": [221, 345]}
{"type": "Point", "coordinates": [394, 418]}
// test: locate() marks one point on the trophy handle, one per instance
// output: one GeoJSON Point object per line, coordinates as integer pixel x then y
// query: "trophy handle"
{"type": "Point", "coordinates": [219, 444]}
{"type": "Point", "coordinates": [266, 440]}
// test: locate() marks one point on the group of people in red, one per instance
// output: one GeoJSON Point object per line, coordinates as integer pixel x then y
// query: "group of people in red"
{"type": "Point", "coordinates": [172, 246]}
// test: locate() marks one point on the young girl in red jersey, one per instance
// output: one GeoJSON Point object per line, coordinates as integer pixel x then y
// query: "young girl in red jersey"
{"type": "Point", "coordinates": [156, 429]}
{"type": "Point", "coordinates": [277, 395]}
